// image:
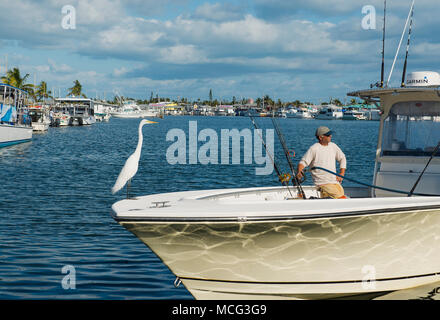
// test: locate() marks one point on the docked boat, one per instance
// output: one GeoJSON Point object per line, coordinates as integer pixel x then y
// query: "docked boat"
{"type": "Point", "coordinates": [61, 119]}
{"type": "Point", "coordinates": [129, 109]}
{"type": "Point", "coordinates": [281, 113]}
{"type": "Point", "coordinates": [81, 115]}
{"type": "Point", "coordinates": [40, 118]}
{"type": "Point", "coordinates": [353, 115]}
{"type": "Point", "coordinates": [372, 114]}
{"type": "Point", "coordinates": [291, 113]}
{"type": "Point", "coordinates": [329, 113]}
{"type": "Point", "coordinates": [303, 114]}
{"type": "Point", "coordinates": [15, 123]}
{"type": "Point", "coordinates": [270, 243]}
{"type": "Point", "coordinates": [102, 111]}
{"type": "Point", "coordinates": [75, 111]}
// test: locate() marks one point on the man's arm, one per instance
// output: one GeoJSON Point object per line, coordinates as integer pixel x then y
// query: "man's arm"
{"type": "Point", "coordinates": [299, 172]}
{"type": "Point", "coordinates": [341, 173]}
{"type": "Point", "coordinates": [305, 161]}
{"type": "Point", "coordinates": [340, 157]}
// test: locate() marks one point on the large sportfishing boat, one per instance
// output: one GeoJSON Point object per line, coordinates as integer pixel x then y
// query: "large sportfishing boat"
{"type": "Point", "coordinates": [288, 242]}
{"type": "Point", "coordinates": [272, 242]}
{"type": "Point", "coordinates": [15, 123]}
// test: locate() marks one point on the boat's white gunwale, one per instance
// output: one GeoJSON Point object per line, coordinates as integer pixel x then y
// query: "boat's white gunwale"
{"type": "Point", "coordinates": [209, 206]}
{"type": "Point", "coordinates": [268, 219]}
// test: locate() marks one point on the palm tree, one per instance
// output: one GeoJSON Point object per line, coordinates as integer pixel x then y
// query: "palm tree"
{"type": "Point", "coordinates": [76, 89]}
{"type": "Point", "coordinates": [42, 92]}
{"type": "Point", "coordinates": [336, 102]}
{"type": "Point", "coordinates": [259, 102]}
{"type": "Point", "coordinates": [13, 77]}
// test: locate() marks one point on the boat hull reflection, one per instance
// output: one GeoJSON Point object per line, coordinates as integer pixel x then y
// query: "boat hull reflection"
{"type": "Point", "coordinates": [299, 258]}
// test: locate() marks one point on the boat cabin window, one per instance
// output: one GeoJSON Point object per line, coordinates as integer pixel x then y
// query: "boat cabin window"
{"type": "Point", "coordinates": [412, 129]}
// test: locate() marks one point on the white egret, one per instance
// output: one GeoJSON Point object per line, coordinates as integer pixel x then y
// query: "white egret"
{"type": "Point", "coordinates": [131, 165]}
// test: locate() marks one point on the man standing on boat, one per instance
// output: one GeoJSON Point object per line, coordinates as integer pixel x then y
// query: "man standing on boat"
{"type": "Point", "coordinates": [324, 154]}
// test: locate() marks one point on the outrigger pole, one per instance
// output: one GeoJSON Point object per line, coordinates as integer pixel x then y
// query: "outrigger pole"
{"type": "Point", "coordinates": [383, 44]}
{"type": "Point", "coordinates": [281, 178]}
{"type": "Point", "coordinates": [407, 48]}
{"type": "Point", "coordinates": [289, 160]}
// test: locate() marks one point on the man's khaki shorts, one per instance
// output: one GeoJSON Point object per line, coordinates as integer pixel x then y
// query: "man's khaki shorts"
{"type": "Point", "coordinates": [334, 191]}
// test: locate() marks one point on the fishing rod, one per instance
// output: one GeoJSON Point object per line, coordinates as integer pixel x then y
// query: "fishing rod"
{"type": "Point", "coordinates": [420, 176]}
{"type": "Point", "coordinates": [407, 48]}
{"type": "Point", "coordinates": [400, 43]}
{"type": "Point", "coordinates": [295, 180]}
{"type": "Point", "coordinates": [281, 177]}
{"type": "Point", "coordinates": [376, 187]}
{"type": "Point", "coordinates": [383, 44]}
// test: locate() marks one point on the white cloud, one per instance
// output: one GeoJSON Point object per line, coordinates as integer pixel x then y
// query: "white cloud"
{"type": "Point", "coordinates": [171, 40]}
{"type": "Point", "coordinates": [217, 12]}
{"type": "Point", "coordinates": [182, 54]}
{"type": "Point", "coordinates": [117, 72]}
{"type": "Point", "coordinates": [61, 68]}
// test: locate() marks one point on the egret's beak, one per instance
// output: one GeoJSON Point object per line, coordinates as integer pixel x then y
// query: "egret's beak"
{"type": "Point", "coordinates": [149, 121]}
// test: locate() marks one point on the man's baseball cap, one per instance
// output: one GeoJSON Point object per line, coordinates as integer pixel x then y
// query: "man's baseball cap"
{"type": "Point", "coordinates": [323, 131]}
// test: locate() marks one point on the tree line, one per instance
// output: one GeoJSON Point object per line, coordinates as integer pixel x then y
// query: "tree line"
{"type": "Point", "coordinates": [38, 92]}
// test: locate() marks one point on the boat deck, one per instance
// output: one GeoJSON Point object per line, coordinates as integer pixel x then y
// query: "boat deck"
{"type": "Point", "coordinates": [260, 204]}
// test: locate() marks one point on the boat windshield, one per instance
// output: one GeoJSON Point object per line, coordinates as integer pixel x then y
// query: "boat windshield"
{"type": "Point", "coordinates": [412, 129]}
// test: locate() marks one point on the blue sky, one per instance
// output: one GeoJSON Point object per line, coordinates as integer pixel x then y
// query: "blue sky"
{"type": "Point", "coordinates": [289, 49]}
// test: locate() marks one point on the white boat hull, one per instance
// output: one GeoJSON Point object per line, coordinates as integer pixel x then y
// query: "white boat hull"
{"type": "Point", "coordinates": [303, 115]}
{"type": "Point", "coordinates": [40, 126]}
{"type": "Point", "coordinates": [89, 120]}
{"type": "Point", "coordinates": [102, 117]}
{"type": "Point", "coordinates": [127, 115]}
{"type": "Point", "coordinates": [329, 117]}
{"type": "Point", "coordinates": [10, 135]}
{"type": "Point", "coordinates": [253, 244]}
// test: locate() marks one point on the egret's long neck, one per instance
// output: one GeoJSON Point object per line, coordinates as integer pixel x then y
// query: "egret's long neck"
{"type": "Point", "coordinates": [141, 138]}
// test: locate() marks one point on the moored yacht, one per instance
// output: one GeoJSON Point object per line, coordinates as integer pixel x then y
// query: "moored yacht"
{"type": "Point", "coordinates": [129, 109]}
{"type": "Point", "coordinates": [329, 113]}
{"type": "Point", "coordinates": [353, 115]}
{"type": "Point", "coordinates": [15, 123]}
{"type": "Point", "coordinates": [268, 242]}
{"type": "Point", "coordinates": [303, 114]}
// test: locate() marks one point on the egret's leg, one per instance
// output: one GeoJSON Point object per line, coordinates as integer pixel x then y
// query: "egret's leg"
{"type": "Point", "coordinates": [128, 188]}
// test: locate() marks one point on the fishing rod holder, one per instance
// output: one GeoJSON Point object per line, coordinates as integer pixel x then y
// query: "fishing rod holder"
{"type": "Point", "coordinates": [160, 204]}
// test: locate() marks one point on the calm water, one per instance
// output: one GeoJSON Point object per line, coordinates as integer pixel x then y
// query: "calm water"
{"type": "Point", "coordinates": [56, 199]}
